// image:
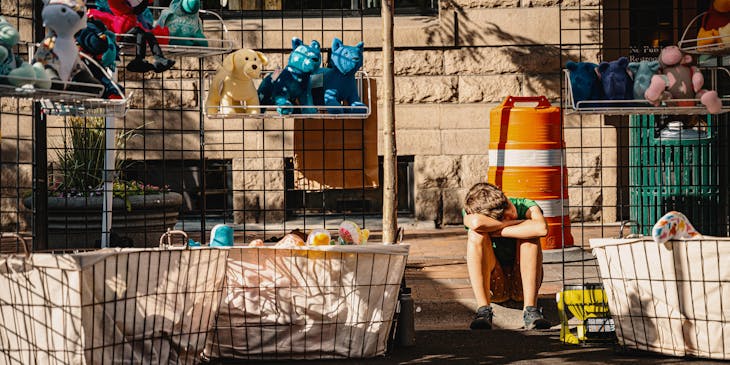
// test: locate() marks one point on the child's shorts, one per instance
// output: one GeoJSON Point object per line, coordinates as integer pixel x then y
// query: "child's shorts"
{"type": "Point", "coordinates": [505, 249]}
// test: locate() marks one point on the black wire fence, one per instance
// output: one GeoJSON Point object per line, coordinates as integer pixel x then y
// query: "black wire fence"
{"type": "Point", "coordinates": [629, 163]}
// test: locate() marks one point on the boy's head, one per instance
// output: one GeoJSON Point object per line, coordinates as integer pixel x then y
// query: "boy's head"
{"type": "Point", "coordinates": [486, 199]}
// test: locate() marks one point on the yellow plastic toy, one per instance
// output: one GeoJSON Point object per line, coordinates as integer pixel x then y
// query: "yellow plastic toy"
{"type": "Point", "coordinates": [351, 234]}
{"type": "Point", "coordinates": [585, 302]}
{"type": "Point", "coordinates": [319, 237]}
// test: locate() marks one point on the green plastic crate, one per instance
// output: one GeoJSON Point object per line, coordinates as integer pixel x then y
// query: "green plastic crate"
{"type": "Point", "coordinates": [672, 174]}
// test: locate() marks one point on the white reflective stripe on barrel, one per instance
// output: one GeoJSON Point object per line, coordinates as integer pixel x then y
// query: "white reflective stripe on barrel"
{"type": "Point", "coordinates": [525, 158]}
{"type": "Point", "coordinates": [552, 207]}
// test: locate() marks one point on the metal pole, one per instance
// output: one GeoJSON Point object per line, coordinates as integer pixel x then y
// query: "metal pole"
{"type": "Point", "coordinates": [390, 183]}
{"type": "Point", "coordinates": [108, 192]}
{"type": "Point", "coordinates": [109, 172]}
{"type": "Point", "coordinates": [40, 158]}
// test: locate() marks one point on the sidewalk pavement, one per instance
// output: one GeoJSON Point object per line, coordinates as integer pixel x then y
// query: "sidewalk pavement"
{"type": "Point", "coordinates": [438, 277]}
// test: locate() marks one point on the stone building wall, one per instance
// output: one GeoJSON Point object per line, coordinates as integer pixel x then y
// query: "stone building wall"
{"type": "Point", "coordinates": [451, 69]}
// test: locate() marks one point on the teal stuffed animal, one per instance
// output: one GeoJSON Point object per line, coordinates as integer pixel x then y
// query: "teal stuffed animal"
{"type": "Point", "coordinates": [21, 73]}
{"type": "Point", "coordinates": [183, 21]}
{"type": "Point", "coordinates": [340, 85]}
{"type": "Point", "coordinates": [643, 72]}
{"type": "Point", "coordinates": [293, 84]}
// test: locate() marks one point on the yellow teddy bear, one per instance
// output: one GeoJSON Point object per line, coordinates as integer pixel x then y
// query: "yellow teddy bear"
{"type": "Point", "coordinates": [716, 18]}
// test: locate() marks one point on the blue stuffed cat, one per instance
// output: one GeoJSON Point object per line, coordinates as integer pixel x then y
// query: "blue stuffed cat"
{"type": "Point", "coordinates": [339, 81]}
{"type": "Point", "coordinates": [293, 84]}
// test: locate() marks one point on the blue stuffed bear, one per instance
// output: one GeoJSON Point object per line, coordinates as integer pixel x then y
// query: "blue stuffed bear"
{"type": "Point", "coordinates": [584, 81]}
{"type": "Point", "coordinates": [293, 84]}
{"type": "Point", "coordinates": [183, 21]}
{"type": "Point", "coordinates": [643, 71]}
{"type": "Point", "coordinates": [616, 81]}
{"type": "Point", "coordinates": [100, 44]}
{"type": "Point", "coordinates": [339, 81]}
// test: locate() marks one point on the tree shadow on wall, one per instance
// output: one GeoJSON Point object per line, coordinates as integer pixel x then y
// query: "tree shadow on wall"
{"type": "Point", "coordinates": [525, 55]}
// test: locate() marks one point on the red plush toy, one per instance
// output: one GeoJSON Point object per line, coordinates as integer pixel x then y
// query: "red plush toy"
{"type": "Point", "coordinates": [125, 17]}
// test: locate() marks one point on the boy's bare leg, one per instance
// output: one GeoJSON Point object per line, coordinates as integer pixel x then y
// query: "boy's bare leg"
{"type": "Point", "coordinates": [480, 261]}
{"type": "Point", "coordinates": [530, 270]}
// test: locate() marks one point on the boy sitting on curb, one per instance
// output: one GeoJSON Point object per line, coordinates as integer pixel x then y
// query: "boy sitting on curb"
{"type": "Point", "coordinates": [499, 226]}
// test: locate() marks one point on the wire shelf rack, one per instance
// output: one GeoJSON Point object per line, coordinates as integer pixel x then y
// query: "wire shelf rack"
{"type": "Point", "coordinates": [716, 45]}
{"type": "Point", "coordinates": [296, 111]}
{"type": "Point", "coordinates": [68, 102]}
{"type": "Point", "coordinates": [633, 107]}
{"type": "Point", "coordinates": [216, 46]}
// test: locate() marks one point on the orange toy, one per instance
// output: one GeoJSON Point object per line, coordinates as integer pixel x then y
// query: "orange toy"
{"type": "Point", "coordinates": [717, 16]}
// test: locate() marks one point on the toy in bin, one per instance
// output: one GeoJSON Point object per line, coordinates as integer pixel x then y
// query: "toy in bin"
{"type": "Point", "coordinates": [351, 234]}
{"type": "Point", "coordinates": [589, 304]}
{"type": "Point", "coordinates": [221, 236]}
{"type": "Point", "coordinates": [319, 237]}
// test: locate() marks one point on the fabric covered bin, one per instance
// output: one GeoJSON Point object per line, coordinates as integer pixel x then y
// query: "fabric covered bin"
{"type": "Point", "coordinates": [668, 298]}
{"type": "Point", "coordinates": [110, 306]}
{"type": "Point", "coordinates": [308, 302]}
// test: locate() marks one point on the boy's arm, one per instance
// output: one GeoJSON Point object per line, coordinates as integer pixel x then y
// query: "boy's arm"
{"type": "Point", "coordinates": [532, 227]}
{"type": "Point", "coordinates": [481, 224]}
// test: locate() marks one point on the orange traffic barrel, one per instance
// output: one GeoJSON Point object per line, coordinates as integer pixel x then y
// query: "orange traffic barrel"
{"type": "Point", "coordinates": [526, 153]}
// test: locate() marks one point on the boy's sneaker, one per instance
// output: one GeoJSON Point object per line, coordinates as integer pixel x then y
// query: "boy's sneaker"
{"type": "Point", "coordinates": [483, 319]}
{"type": "Point", "coordinates": [534, 319]}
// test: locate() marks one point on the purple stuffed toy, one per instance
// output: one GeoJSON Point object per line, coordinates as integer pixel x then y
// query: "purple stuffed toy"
{"type": "Point", "coordinates": [616, 81]}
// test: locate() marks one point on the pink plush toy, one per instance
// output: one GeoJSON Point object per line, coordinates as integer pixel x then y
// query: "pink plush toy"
{"type": "Point", "coordinates": [680, 80]}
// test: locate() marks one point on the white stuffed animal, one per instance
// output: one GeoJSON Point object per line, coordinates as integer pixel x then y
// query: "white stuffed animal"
{"type": "Point", "coordinates": [58, 53]}
{"type": "Point", "coordinates": [232, 88]}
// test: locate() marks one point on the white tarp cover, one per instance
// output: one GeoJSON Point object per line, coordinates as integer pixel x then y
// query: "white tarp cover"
{"type": "Point", "coordinates": [110, 306]}
{"type": "Point", "coordinates": [308, 302]}
{"type": "Point", "coordinates": [668, 298]}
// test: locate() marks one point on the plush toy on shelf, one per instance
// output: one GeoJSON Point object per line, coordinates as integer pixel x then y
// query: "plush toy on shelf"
{"type": "Point", "coordinates": [232, 88]}
{"type": "Point", "coordinates": [584, 81]}
{"type": "Point", "coordinates": [642, 73]}
{"type": "Point", "coordinates": [714, 24]}
{"type": "Point", "coordinates": [680, 80]}
{"type": "Point", "coordinates": [129, 17]}
{"type": "Point", "coordinates": [184, 22]}
{"type": "Point", "coordinates": [615, 79]}
{"type": "Point", "coordinates": [57, 53]}
{"type": "Point", "coordinates": [351, 234]}
{"type": "Point", "coordinates": [292, 86]}
{"type": "Point", "coordinates": [339, 80]}
{"type": "Point", "coordinates": [99, 43]}
{"type": "Point", "coordinates": [21, 73]}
